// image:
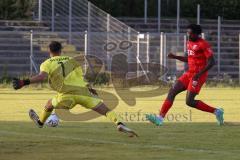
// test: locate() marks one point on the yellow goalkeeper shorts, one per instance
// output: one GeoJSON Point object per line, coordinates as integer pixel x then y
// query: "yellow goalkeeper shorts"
{"type": "Point", "coordinates": [70, 100]}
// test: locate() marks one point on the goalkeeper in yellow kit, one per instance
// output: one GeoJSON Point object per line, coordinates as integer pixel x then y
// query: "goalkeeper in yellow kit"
{"type": "Point", "coordinates": [66, 77]}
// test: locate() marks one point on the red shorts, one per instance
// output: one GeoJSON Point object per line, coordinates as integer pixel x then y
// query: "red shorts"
{"type": "Point", "coordinates": [186, 80]}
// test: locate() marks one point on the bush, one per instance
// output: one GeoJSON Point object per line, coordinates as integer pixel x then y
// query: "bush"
{"type": "Point", "coordinates": [16, 9]}
{"type": "Point", "coordinates": [98, 79]}
{"type": "Point", "coordinates": [210, 9]}
{"type": "Point", "coordinates": [223, 80]}
{"type": "Point", "coordinates": [5, 79]}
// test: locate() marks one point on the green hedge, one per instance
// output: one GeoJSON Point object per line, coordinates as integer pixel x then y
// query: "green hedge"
{"type": "Point", "coordinates": [98, 79]}
{"type": "Point", "coordinates": [229, 9]}
{"type": "Point", "coordinates": [16, 9]}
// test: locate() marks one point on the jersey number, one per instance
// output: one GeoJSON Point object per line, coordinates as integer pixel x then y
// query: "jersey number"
{"type": "Point", "coordinates": [63, 68]}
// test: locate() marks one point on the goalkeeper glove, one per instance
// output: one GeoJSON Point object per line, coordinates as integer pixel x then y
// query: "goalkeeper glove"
{"type": "Point", "coordinates": [17, 83]}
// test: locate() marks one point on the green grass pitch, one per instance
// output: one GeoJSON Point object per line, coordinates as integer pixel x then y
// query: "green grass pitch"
{"type": "Point", "coordinates": [21, 140]}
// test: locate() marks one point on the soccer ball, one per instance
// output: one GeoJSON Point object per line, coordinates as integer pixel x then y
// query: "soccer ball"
{"type": "Point", "coordinates": [52, 121]}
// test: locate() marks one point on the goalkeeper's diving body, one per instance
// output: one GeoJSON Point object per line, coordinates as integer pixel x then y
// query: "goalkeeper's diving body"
{"type": "Point", "coordinates": [65, 76]}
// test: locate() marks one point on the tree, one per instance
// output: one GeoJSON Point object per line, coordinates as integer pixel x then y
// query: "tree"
{"type": "Point", "coordinates": [228, 9]}
{"type": "Point", "coordinates": [6, 9]}
{"type": "Point", "coordinates": [16, 9]}
{"type": "Point", "coordinates": [23, 9]}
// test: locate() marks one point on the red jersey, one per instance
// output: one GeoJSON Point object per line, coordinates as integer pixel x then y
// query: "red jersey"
{"type": "Point", "coordinates": [198, 53]}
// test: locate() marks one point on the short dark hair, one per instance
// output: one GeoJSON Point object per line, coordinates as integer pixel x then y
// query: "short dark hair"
{"type": "Point", "coordinates": [196, 29]}
{"type": "Point", "coordinates": [55, 47]}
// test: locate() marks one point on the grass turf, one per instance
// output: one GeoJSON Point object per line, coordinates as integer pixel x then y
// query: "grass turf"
{"type": "Point", "coordinates": [21, 140]}
{"type": "Point", "coordinates": [174, 141]}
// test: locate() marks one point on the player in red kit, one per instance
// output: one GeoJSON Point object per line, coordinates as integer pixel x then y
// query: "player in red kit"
{"type": "Point", "coordinates": [200, 59]}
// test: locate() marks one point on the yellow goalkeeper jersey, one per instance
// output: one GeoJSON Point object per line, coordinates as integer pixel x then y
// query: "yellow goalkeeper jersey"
{"type": "Point", "coordinates": [65, 74]}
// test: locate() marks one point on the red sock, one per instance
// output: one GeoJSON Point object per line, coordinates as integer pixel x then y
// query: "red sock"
{"type": "Point", "coordinates": [165, 107]}
{"type": "Point", "coordinates": [204, 107]}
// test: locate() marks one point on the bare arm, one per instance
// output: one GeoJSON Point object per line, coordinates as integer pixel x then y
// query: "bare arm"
{"type": "Point", "coordinates": [180, 58]}
{"type": "Point", "coordinates": [38, 78]}
{"type": "Point", "coordinates": [17, 83]}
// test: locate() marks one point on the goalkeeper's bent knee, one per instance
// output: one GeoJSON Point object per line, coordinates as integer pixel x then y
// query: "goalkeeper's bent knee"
{"type": "Point", "coordinates": [45, 114]}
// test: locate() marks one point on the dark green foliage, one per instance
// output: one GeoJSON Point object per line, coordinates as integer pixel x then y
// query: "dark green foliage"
{"type": "Point", "coordinates": [6, 9]}
{"type": "Point", "coordinates": [121, 7]}
{"type": "Point", "coordinates": [23, 8]}
{"type": "Point", "coordinates": [210, 9]}
{"type": "Point", "coordinates": [16, 9]}
{"type": "Point", "coordinates": [228, 9]}
{"type": "Point", "coordinates": [98, 79]}
{"type": "Point", "coordinates": [5, 79]}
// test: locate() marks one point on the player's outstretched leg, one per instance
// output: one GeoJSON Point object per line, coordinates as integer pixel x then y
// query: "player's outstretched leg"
{"type": "Point", "coordinates": [158, 119]}
{"type": "Point", "coordinates": [39, 121]}
{"type": "Point", "coordinates": [112, 116]}
{"type": "Point", "coordinates": [33, 115]}
{"type": "Point", "coordinates": [218, 112]}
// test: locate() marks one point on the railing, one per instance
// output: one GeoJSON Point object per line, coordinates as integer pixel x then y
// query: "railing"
{"type": "Point", "coordinates": [143, 49]}
{"type": "Point", "coordinates": [82, 16]}
{"type": "Point", "coordinates": [84, 28]}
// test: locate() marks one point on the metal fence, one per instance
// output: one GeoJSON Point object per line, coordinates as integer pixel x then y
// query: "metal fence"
{"type": "Point", "coordinates": [77, 16]}
{"type": "Point", "coordinates": [135, 47]}
{"type": "Point", "coordinates": [83, 28]}
{"type": "Point", "coordinates": [101, 29]}
{"type": "Point", "coordinates": [143, 49]}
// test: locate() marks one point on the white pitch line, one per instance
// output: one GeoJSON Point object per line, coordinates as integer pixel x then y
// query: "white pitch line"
{"type": "Point", "coordinates": [118, 143]}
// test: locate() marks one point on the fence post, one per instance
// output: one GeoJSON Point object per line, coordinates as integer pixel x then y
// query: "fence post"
{"type": "Point", "coordinates": [70, 22]}
{"type": "Point", "coordinates": [85, 50]}
{"type": "Point", "coordinates": [165, 50]}
{"type": "Point", "coordinates": [161, 48]}
{"type": "Point", "coordinates": [159, 16]}
{"type": "Point", "coordinates": [178, 16]}
{"type": "Point", "coordinates": [145, 10]}
{"type": "Point", "coordinates": [138, 50]}
{"type": "Point", "coordinates": [39, 10]}
{"type": "Point", "coordinates": [31, 51]}
{"type": "Point", "coordinates": [161, 56]}
{"type": "Point", "coordinates": [198, 13]}
{"type": "Point", "coordinates": [185, 51]}
{"type": "Point", "coordinates": [203, 35]}
{"type": "Point", "coordinates": [239, 60]}
{"type": "Point", "coordinates": [53, 16]}
{"type": "Point", "coordinates": [165, 56]}
{"type": "Point", "coordinates": [129, 40]}
{"type": "Point", "coordinates": [89, 16]}
{"type": "Point", "coordinates": [219, 44]}
{"type": "Point", "coordinates": [108, 55]}
{"type": "Point", "coordinates": [32, 63]}
{"type": "Point", "coordinates": [148, 60]}
{"type": "Point", "coordinates": [89, 26]}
